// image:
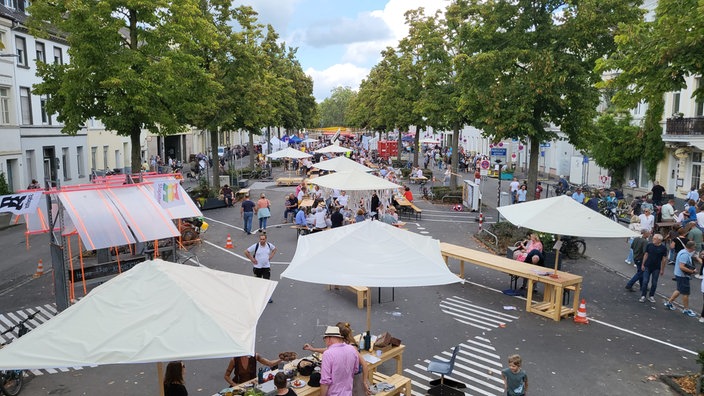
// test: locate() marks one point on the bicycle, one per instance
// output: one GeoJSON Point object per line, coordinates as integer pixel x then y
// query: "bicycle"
{"type": "Point", "coordinates": [11, 381]}
{"type": "Point", "coordinates": [573, 247]}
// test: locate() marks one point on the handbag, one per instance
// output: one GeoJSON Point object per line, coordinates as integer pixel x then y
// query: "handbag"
{"type": "Point", "coordinates": [306, 367]}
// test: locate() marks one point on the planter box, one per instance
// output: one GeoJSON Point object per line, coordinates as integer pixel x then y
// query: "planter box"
{"type": "Point", "coordinates": [210, 203]}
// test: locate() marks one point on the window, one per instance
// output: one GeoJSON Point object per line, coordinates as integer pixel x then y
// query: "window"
{"type": "Point", "coordinates": [698, 102]}
{"type": "Point", "coordinates": [94, 158]}
{"type": "Point", "coordinates": [41, 55]}
{"type": "Point", "coordinates": [676, 103]}
{"type": "Point", "coordinates": [105, 157]}
{"type": "Point", "coordinates": [30, 166]}
{"type": "Point", "coordinates": [58, 56]}
{"type": "Point", "coordinates": [79, 161]}
{"type": "Point", "coordinates": [21, 50]}
{"type": "Point", "coordinates": [65, 161]}
{"type": "Point", "coordinates": [46, 118]}
{"type": "Point", "coordinates": [12, 3]}
{"type": "Point", "coordinates": [4, 105]}
{"type": "Point", "coordinates": [26, 106]}
{"type": "Point", "coordinates": [696, 168]}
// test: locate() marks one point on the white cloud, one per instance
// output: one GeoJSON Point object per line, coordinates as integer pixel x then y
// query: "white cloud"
{"type": "Point", "coordinates": [365, 27]}
{"type": "Point", "coordinates": [339, 75]}
{"type": "Point", "coordinates": [277, 13]}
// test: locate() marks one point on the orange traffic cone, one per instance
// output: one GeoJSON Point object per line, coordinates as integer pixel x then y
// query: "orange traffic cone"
{"type": "Point", "coordinates": [40, 269]}
{"type": "Point", "coordinates": [228, 244]}
{"type": "Point", "coordinates": [582, 313]}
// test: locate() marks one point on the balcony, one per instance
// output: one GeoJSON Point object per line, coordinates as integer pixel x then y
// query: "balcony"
{"type": "Point", "coordinates": [685, 126]}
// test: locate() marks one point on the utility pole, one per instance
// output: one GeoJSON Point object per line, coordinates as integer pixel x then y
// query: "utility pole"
{"type": "Point", "coordinates": [498, 196]}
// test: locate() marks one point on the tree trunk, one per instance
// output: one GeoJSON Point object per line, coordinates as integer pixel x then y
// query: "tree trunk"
{"type": "Point", "coordinates": [416, 147]}
{"type": "Point", "coordinates": [135, 141]}
{"type": "Point", "coordinates": [534, 145]}
{"type": "Point", "coordinates": [400, 145]}
{"type": "Point", "coordinates": [453, 158]}
{"type": "Point", "coordinates": [252, 154]}
{"type": "Point", "coordinates": [214, 141]}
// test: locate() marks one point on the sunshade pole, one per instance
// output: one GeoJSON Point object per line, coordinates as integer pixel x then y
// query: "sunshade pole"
{"type": "Point", "coordinates": [557, 256]}
{"type": "Point", "coordinates": [117, 256]}
{"type": "Point", "coordinates": [369, 311]}
{"type": "Point", "coordinates": [159, 376]}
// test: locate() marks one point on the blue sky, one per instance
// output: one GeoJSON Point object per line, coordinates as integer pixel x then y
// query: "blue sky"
{"type": "Point", "coordinates": [339, 41]}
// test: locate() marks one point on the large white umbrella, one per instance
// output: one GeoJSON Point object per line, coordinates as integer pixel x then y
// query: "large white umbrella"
{"type": "Point", "coordinates": [353, 181]}
{"type": "Point", "coordinates": [309, 140]}
{"type": "Point", "coordinates": [562, 215]}
{"type": "Point", "coordinates": [157, 311]}
{"type": "Point", "coordinates": [341, 164]}
{"type": "Point", "coordinates": [333, 148]}
{"type": "Point", "coordinates": [288, 152]}
{"type": "Point", "coordinates": [375, 255]}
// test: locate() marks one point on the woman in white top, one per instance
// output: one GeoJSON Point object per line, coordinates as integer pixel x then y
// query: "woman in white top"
{"type": "Point", "coordinates": [647, 220]}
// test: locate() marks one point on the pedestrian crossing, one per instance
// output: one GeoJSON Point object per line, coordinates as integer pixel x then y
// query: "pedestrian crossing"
{"type": "Point", "coordinates": [44, 313]}
{"type": "Point", "coordinates": [477, 365]}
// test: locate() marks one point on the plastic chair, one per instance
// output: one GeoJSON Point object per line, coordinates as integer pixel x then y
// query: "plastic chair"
{"type": "Point", "coordinates": [443, 368]}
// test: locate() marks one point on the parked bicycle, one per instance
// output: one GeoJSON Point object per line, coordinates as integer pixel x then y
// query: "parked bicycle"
{"type": "Point", "coordinates": [573, 247]}
{"type": "Point", "coordinates": [11, 381]}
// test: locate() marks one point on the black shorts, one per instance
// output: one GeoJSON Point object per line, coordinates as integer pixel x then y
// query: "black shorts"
{"type": "Point", "coordinates": [262, 272]}
{"type": "Point", "coordinates": [683, 285]}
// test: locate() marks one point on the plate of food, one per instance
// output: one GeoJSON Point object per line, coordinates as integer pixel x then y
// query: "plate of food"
{"type": "Point", "coordinates": [298, 383]}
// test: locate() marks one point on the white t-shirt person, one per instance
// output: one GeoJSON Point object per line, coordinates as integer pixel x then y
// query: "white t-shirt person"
{"type": "Point", "coordinates": [261, 256]}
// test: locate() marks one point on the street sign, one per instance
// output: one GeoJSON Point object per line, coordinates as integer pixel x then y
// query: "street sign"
{"type": "Point", "coordinates": [498, 152]}
{"type": "Point", "coordinates": [485, 164]}
{"type": "Point", "coordinates": [483, 172]}
{"type": "Point", "coordinates": [544, 144]}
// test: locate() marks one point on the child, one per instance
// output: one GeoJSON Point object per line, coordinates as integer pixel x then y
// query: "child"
{"type": "Point", "coordinates": [282, 386]}
{"type": "Point", "coordinates": [515, 379]}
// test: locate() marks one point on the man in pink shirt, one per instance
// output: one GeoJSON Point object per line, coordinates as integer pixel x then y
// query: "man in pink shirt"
{"type": "Point", "coordinates": [340, 363]}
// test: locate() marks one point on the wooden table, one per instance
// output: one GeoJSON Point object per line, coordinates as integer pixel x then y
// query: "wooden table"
{"type": "Point", "coordinates": [288, 181]}
{"type": "Point", "coordinates": [306, 203]}
{"type": "Point", "coordinates": [552, 304]}
{"type": "Point", "coordinates": [667, 225]}
{"type": "Point", "coordinates": [395, 353]}
{"type": "Point", "coordinates": [421, 179]}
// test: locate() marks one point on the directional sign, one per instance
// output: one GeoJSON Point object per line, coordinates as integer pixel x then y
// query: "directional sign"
{"type": "Point", "coordinates": [544, 144]}
{"type": "Point", "coordinates": [485, 164]}
{"type": "Point", "coordinates": [498, 152]}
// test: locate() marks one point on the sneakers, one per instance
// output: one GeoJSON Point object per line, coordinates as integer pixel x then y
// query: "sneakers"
{"type": "Point", "coordinates": [641, 299]}
{"type": "Point", "coordinates": [698, 276]}
{"type": "Point", "coordinates": [668, 305]}
{"type": "Point", "coordinates": [651, 299]}
{"type": "Point", "coordinates": [701, 320]}
{"type": "Point", "coordinates": [689, 313]}
{"type": "Point", "coordinates": [629, 262]}
{"type": "Point", "coordinates": [630, 289]}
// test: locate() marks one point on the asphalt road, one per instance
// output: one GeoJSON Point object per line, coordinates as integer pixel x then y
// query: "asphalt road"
{"type": "Point", "coordinates": [625, 343]}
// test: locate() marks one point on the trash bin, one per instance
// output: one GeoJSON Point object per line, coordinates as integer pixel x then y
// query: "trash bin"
{"type": "Point", "coordinates": [504, 199]}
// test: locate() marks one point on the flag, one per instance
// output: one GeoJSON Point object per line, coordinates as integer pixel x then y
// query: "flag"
{"type": "Point", "coordinates": [21, 203]}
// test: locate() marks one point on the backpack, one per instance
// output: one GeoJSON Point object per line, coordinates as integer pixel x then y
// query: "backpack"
{"type": "Point", "coordinates": [257, 248]}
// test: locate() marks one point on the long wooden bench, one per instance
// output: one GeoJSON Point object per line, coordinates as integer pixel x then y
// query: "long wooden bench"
{"type": "Point", "coordinates": [401, 384]}
{"type": "Point", "coordinates": [551, 305]}
{"type": "Point", "coordinates": [288, 181]}
{"type": "Point", "coordinates": [362, 293]}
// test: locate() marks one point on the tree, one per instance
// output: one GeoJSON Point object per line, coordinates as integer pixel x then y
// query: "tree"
{"type": "Point", "coordinates": [654, 57]}
{"type": "Point", "coordinates": [615, 143]}
{"type": "Point", "coordinates": [334, 109]}
{"type": "Point", "coordinates": [127, 65]}
{"type": "Point", "coordinates": [527, 64]}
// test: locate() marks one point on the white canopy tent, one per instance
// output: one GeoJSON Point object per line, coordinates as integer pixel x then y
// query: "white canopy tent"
{"type": "Point", "coordinates": [289, 152]}
{"type": "Point", "coordinates": [309, 140]}
{"type": "Point", "coordinates": [341, 164]}
{"type": "Point", "coordinates": [353, 181]}
{"type": "Point", "coordinates": [376, 255]}
{"type": "Point", "coordinates": [334, 149]}
{"type": "Point", "coordinates": [155, 312]}
{"type": "Point", "coordinates": [562, 215]}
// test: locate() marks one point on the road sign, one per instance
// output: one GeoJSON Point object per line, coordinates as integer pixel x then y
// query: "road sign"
{"type": "Point", "coordinates": [485, 164]}
{"type": "Point", "coordinates": [483, 172]}
{"type": "Point", "coordinates": [544, 144]}
{"type": "Point", "coordinates": [498, 152]}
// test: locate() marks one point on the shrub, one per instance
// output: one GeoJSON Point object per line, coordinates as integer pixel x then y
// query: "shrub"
{"type": "Point", "coordinates": [4, 187]}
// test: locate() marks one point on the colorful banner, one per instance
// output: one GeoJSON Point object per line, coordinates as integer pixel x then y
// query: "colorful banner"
{"type": "Point", "coordinates": [21, 203]}
{"type": "Point", "coordinates": [168, 194]}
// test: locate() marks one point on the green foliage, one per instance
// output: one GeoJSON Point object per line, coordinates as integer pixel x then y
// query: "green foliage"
{"type": "Point", "coordinates": [615, 144]}
{"type": "Point", "coordinates": [4, 187]}
{"type": "Point", "coordinates": [128, 67]}
{"type": "Point", "coordinates": [334, 110]}
{"type": "Point", "coordinates": [524, 65]}
{"type": "Point", "coordinates": [654, 146]}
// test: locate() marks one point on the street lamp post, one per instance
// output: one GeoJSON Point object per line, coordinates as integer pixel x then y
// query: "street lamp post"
{"type": "Point", "coordinates": [498, 196]}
